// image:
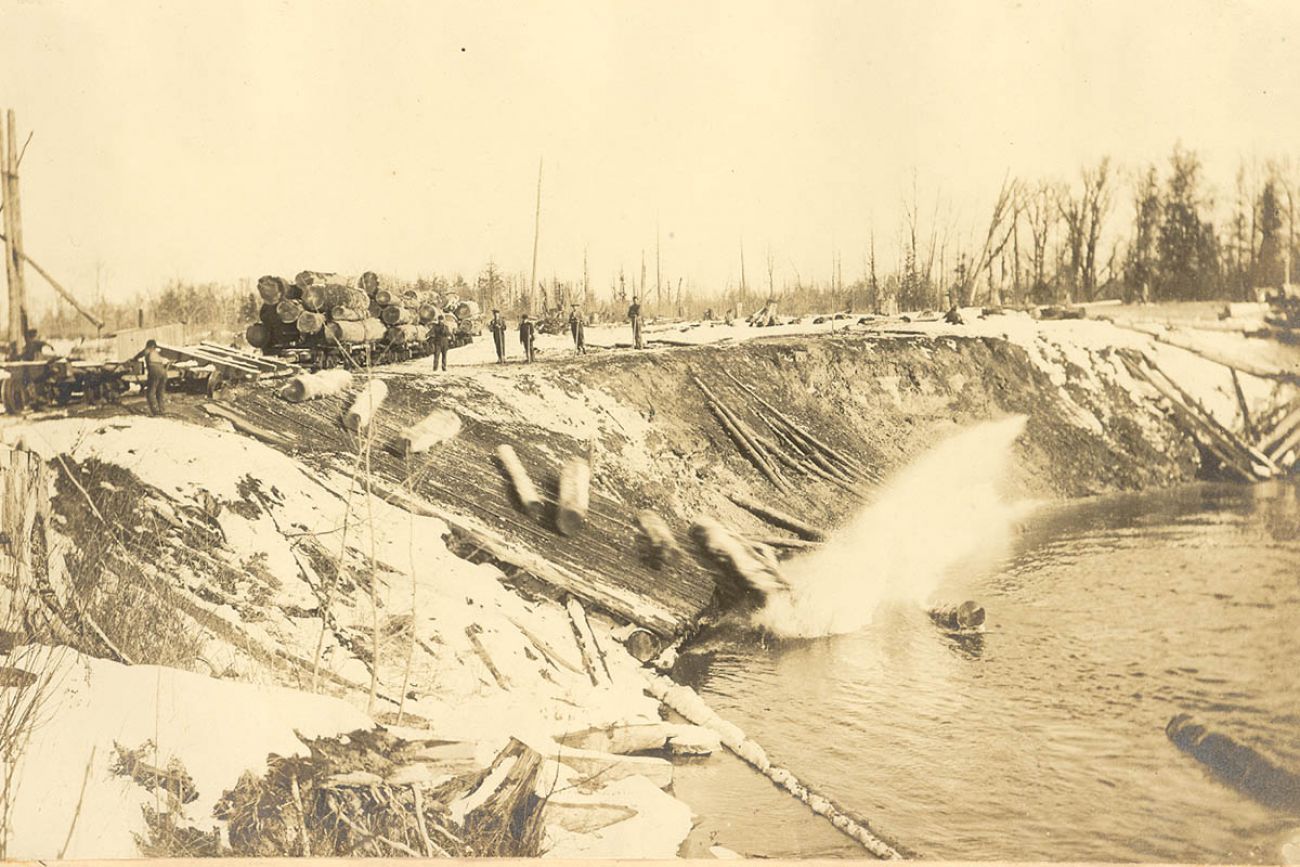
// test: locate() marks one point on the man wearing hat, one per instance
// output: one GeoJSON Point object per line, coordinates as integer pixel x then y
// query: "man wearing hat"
{"type": "Point", "coordinates": [498, 327]}
{"type": "Point", "coordinates": [634, 316]}
{"type": "Point", "coordinates": [526, 334]}
{"type": "Point", "coordinates": [576, 327]}
{"type": "Point", "coordinates": [155, 365]}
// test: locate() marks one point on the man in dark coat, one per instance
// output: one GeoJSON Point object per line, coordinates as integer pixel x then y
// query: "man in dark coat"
{"type": "Point", "coordinates": [526, 334]}
{"type": "Point", "coordinates": [576, 328]}
{"type": "Point", "coordinates": [440, 342]}
{"type": "Point", "coordinates": [498, 327]}
{"type": "Point", "coordinates": [634, 316]}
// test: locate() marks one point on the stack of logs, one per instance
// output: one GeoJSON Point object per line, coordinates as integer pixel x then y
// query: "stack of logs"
{"type": "Point", "coordinates": [317, 307]}
{"type": "Point", "coordinates": [786, 446]}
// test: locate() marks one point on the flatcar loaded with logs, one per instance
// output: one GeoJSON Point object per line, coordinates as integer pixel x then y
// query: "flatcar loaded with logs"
{"type": "Point", "coordinates": [326, 320]}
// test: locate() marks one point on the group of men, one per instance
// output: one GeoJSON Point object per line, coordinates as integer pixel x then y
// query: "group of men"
{"type": "Point", "coordinates": [528, 332]}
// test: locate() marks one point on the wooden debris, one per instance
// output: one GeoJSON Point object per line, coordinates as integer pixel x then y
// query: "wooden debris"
{"type": "Point", "coordinates": [1247, 427]}
{"type": "Point", "coordinates": [242, 423]}
{"type": "Point", "coordinates": [546, 649]}
{"type": "Point", "coordinates": [608, 767]}
{"type": "Point", "coordinates": [525, 490]}
{"type": "Point", "coordinates": [1281, 430]}
{"type": "Point", "coordinates": [744, 438]}
{"type": "Point", "coordinates": [503, 802]}
{"type": "Point", "coordinates": [778, 518]}
{"type": "Point", "coordinates": [473, 631]}
{"type": "Point", "coordinates": [364, 406]}
{"type": "Point", "coordinates": [592, 657]}
{"type": "Point", "coordinates": [575, 485]}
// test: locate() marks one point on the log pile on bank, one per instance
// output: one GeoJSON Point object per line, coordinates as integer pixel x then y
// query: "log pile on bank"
{"type": "Point", "coordinates": [318, 309]}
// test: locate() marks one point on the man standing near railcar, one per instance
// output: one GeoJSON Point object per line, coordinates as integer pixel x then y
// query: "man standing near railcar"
{"type": "Point", "coordinates": [498, 328]}
{"type": "Point", "coordinates": [634, 316]}
{"type": "Point", "coordinates": [440, 341]}
{"type": "Point", "coordinates": [576, 328]}
{"type": "Point", "coordinates": [526, 334]}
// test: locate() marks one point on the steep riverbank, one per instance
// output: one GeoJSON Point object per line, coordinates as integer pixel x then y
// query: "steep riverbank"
{"type": "Point", "coordinates": [415, 596]}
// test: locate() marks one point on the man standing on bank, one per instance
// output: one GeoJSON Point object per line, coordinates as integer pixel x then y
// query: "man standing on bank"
{"type": "Point", "coordinates": [576, 328]}
{"type": "Point", "coordinates": [440, 341]}
{"type": "Point", "coordinates": [634, 316]}
{"type": "Point", "coordinates": [526, 333]}
{"type": "Point", "coordinates": [498, 328]}
{"type": "Point", "coordinates": [155, 365]}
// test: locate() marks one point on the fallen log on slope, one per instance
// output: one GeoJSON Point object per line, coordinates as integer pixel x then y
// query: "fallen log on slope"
{"type": "Point", "coordinates": [472, 632]}
{"type": "Point", "coordinates": [852, 466]}
{"type": "Point", "coordinates": [244, 425]}
{"type": "Point", "coordinates": [733, 553]}
{"type": "Point", "coordinates": [434, 429]}
{"type": "Point", "coordinates": [523, 487]}
{"type": "Point", "coordinates": [574, 498]}
{"type": "Point", "coordinates": [778, 518]}
{"type": "Point", "coordinates": [1209, 355]}
{"type": "Point", "coordinates": [313, 386]}
{"type": "Point", "coordinates": [664, 549]}
{"type": "Point", "coordinates": [364, 406]}
{"type": "Point", "coordinates": [742, 437]}
{"type": "Point", "coordinates": [1281, 430]}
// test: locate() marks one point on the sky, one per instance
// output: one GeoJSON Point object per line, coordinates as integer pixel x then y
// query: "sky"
{"type": "Point", "coordinates": [213, 141]}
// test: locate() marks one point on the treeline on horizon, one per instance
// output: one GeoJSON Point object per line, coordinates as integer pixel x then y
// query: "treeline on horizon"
{"type": "Point", "coordinates": [1156, 233]}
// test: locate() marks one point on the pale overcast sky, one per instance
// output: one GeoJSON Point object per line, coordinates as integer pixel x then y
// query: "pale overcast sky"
{"type": "Point", "coordinates": [216, 140]}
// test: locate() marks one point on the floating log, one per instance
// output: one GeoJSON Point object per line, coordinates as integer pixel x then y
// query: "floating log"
{"type": "Point", "coordinates": [364, 406]}
{"type": "Point", "coordinates": [592, 657]}
{"type": "Point", "coordinates": [663, 544]}
{"type": "Point", "coordinates": [365, 331]}
{"type": "Point", "coordinates": [271, 289]}
{"type": "Point", "coordinates": [312, 386]}
{"type": "Point", "coordinates": [434, 429]}
{"type": "Point", "coordinates": [289, 311]}
{"type": "Point", "coordinates": [575, 485]}
{"type": "Point", "coordinates": [396, 315]}
{"type": "Point", "coordinates": [966, 617]}
{"type": "Point", "coordinates": [311, 323]}
{"type": "Point", "coordinates": [734, 553]}
{"type": "Point", "coordinates": [779, 519]}
{"type": "Point", "coordinates": [525, 491]}
{"type": "Point", "coordinates": [1240, 766]}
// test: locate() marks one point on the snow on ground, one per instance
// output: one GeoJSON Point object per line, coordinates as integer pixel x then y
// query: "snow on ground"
{"type": "Point", "coordinates": [270, 507]}
{"type": "Point", "coordinates": [68, 804]}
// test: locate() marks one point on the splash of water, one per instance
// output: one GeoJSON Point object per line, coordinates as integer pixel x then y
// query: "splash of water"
{"type": "Point", "coordinates": [945, 508]}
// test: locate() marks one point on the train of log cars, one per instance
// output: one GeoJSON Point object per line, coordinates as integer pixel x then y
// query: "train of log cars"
{"type": "Point", "coordinates": [325, 320]}
{"type": "Point", "coordinates": [316, 320]}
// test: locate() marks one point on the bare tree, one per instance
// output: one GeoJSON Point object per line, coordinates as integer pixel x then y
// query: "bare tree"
{"type": "Point", "coordinates": [1084, 215]}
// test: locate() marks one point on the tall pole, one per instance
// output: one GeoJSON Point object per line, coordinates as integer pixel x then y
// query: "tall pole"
{"type": "Point", "coordinates": [18, 305]}
{"type": "Point", "coordinates": [11, 281]}
{"type": "Point", "coordinates": [659, 289]}
{"type": "Point", "coordinates": [537, 232]}
{"type": "Point", "coordinates": [742, 269]}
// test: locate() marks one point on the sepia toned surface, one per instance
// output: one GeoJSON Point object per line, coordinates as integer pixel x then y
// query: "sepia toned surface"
{"type": "Point", "coordinates": [626, 432]}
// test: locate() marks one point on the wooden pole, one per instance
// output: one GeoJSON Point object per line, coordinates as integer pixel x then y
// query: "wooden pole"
{"type": "Point", "coordinates": [22, 256]}
{"type": "Point", "coordinates": [11, 280]}
{"type": "Point", "coordinates": [17, 316]}
{"type": "Point", "coordinates": [779, 519]}
{"type": "Point", "coordinates": [537, 233]}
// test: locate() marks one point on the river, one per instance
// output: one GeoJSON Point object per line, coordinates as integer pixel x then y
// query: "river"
{"type": "Point", "coordinates": [1043, 738]}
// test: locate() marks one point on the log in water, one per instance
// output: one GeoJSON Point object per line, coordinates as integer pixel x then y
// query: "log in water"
{"type": "Point", "coordinates": [1240, 766]}
{"type": "Point", "coordinates": [966, 617]}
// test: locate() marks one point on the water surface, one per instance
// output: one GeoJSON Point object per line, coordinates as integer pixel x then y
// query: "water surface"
{"type": "Point", "coordinates": [1044, 738]}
